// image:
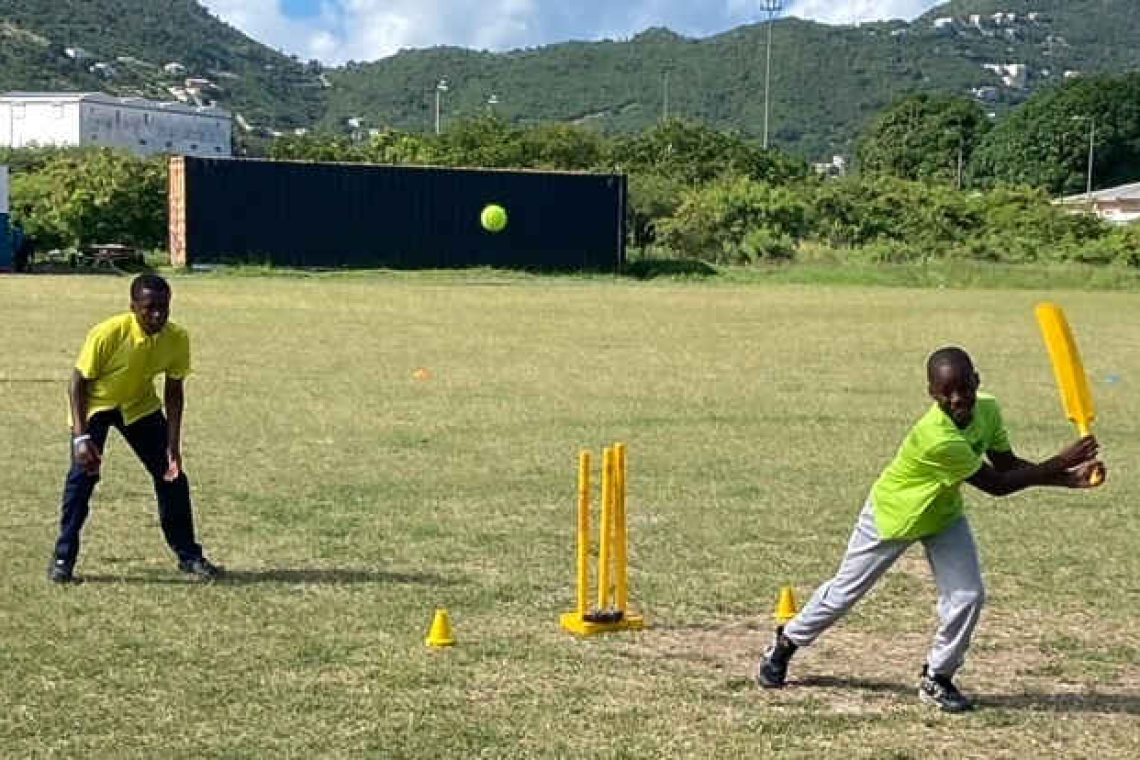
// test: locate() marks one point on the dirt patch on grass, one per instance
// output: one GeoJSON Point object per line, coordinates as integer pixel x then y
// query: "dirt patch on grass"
{"type": "Point", "coordinates": [1016, 663]}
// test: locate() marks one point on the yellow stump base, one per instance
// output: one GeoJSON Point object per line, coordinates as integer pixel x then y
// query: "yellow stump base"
{"type": "Point", "coordinates": [579, 626]}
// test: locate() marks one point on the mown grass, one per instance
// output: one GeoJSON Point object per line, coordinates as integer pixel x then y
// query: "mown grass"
{"type": "Point", "coordinates": [350, 499]}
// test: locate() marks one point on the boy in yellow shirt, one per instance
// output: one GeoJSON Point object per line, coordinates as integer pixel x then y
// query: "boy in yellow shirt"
{"type": "Point", "coordinates": [113, 386]}
{"type": "Point", "coordinates": [917, 498]}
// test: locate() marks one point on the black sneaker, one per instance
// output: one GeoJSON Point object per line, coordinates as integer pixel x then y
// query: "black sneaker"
{"type": "Point", "coordinates": [939, 691]}
{"type": "Point", "coordinates": [59, 571]}
{"type": "Point", "coordinates": [772, 673]}
{"type": "Point", "coordinates": [201, 568]}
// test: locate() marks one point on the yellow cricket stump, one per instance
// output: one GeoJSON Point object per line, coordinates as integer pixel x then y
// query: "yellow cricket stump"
{"type": "Point", "coordinates": [612, 612]}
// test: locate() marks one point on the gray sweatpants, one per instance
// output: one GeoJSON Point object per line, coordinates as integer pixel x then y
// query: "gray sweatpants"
{"type": "Point", "coordinates": [953, 558]}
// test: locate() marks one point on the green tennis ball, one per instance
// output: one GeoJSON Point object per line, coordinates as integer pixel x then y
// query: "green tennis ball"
{"type": "Point", "coordinates": [493, 218]}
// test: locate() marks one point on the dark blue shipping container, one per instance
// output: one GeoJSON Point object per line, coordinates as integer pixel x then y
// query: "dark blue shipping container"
{"type": "Point", "coordinates": [353, 215]}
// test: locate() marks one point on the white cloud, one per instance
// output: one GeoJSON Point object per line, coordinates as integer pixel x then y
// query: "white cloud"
{"type": "Point", "coordinates": [831, 12]}
{"type": "Point", "coordinates": [365, 30]}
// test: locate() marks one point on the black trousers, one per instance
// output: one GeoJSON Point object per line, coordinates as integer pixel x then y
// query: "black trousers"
{"type": "Point", "coordinates": [147, 437]}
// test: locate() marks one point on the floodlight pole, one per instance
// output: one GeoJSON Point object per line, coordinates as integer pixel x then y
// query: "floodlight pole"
{"type": "Point", "coordinates": [773, 7]}
{"type": "Point", "coordinates": [440, 88]}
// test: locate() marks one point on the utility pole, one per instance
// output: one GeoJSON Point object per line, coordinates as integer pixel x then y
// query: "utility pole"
{"type": "Point", "coordinates": [1092, 146]}
{"type": "Point", "coordinates": [1092, 142]}
{"type": "Point", "coordinates": [959, 183]}
{"type": "Point", "coordinates": [773, 7]}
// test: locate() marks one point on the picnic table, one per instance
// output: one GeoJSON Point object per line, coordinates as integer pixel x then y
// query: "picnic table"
{"type": "Point", "coordinates": [109, 255]}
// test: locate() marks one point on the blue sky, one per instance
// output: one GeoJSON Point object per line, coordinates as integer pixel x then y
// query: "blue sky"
{"type": "Point", "coordinates": [335, 31]}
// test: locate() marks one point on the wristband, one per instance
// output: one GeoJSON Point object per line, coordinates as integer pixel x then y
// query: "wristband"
{"type": "Point", "coordinates": [80, 439]}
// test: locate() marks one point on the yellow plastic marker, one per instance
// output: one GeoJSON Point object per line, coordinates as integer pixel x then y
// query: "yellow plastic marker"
{"type": "Point", "coordinates": [1070, 372]}
{"type": "Point", "coordinates": [786, 606]}
{"type": "Point", "coordinates": [440, 634]}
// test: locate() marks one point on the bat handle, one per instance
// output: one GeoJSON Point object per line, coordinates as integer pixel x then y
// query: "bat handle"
{"type": "Point", "coordinates": [1083, 428]}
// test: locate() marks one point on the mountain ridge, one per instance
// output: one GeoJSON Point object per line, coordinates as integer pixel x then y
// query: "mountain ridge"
{"type": "Point", "coordinates": [827, 81]}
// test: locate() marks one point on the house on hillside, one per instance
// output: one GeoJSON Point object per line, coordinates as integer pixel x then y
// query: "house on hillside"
{"type": "Point", "coordinates": [144, 127]}
{"type": "Point", "coordinates": [1118, 205]}
{"type": "Point", "coordinates": [836, 167]}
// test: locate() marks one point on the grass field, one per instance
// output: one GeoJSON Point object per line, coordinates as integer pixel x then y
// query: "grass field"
{"type": "Point", "coordinates": [349, 500]}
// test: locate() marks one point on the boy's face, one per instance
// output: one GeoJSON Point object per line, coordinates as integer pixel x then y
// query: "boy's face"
{"type": "Point", "coordinates": [955, 390]}
{"type": "Point", "coordinates": [151, 309]}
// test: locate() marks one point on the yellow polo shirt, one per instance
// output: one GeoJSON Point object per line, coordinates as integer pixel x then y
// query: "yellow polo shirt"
{"type": "Point", "coordinates": [121, 361]}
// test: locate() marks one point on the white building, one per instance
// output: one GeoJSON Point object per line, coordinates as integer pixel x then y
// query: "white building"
{"type": "Point", "coordinates": [1117, 205]}
{"type": "Point", "coordinates": [1013, 75]}
{"type": "Point", "coordinates": [85, 119]}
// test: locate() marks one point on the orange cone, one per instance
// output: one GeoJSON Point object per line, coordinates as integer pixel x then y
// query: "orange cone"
{"type": "Point", "coordinates": [440, 635]}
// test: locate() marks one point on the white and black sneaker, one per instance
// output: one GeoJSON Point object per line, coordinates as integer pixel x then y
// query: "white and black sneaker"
{"type": "Point", "coordinates": [60, 571]}
{"type": "Point", "coordinates": [940, 691]}
{"type": "Point", "coordinates": [201, 569]}
{"type": "Point", "coordinates": [772, 673]}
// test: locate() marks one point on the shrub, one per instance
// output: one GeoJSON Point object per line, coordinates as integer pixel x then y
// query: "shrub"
{"type": "Point", "coordinates": [93, 196]}
{"type": "Point", "coordinates": [736, 220]}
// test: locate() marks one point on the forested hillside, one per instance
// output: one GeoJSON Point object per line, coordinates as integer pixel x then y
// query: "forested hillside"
{"type": "Point", "coordinates": [134, 39]}
{"type": "Point", "coordinates": [827, 81]}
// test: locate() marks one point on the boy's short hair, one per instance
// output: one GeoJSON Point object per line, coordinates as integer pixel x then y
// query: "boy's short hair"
{"type": "Point", "coordinates": [949, 356]}
{"type": "Point", "coordinates": [151, 282]}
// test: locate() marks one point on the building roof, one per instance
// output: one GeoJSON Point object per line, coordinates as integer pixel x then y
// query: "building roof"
{"type": "Point", "coordinates": [102, 97]}
{"type": "Point", "coordinates": [1130, 191]}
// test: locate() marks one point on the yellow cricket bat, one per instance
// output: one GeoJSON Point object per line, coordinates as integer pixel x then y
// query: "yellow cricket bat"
{"type": "Point", "coordinates": [1070, 372]}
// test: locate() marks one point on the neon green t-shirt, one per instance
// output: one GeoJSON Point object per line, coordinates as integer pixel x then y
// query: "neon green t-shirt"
{"type": "Point", "coordinates": [919, 492]}
{"type": "Point", "coordinates": [121, 361]}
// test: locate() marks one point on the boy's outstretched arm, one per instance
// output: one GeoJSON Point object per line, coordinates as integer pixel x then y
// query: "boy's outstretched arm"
{"type": "Point", "coordinates": [1071, 468]}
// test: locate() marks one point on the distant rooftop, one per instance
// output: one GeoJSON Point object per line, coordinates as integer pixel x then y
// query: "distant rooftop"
{"type": "Point", "coordinates": [1130, 191]}
{"type": "Point", "coordinates": [102, 97]}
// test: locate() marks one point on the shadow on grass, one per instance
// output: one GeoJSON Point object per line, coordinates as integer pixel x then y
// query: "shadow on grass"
{"type": "Point", "coordinates": [335, 576]}
{"type": "Point", "coordinates": [285, 576]}
{"type": "Point", "coordinates": [855, 684]}
{"type": "Point", "coordinates": [1119, 704]}
{"type": "Point", "coordinates": [647, 269]}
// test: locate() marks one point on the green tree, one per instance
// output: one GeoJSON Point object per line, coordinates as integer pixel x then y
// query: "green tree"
{"type": "Point", "coordinates": [93, 196]}
{"type": "Point", "coordinates": [923, 137]}
{"type": "Point", "coordinates": [1045, 142]}
{"type": "Point", "coordinates": [695, 153]}
{"type": "Point", "coordinates": [736, 220]}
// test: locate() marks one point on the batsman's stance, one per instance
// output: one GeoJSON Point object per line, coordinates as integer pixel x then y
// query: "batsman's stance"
{"type": "Point", "coordinates": [917, 498]}
{"type": "Point", "coordinates": [112, 386]}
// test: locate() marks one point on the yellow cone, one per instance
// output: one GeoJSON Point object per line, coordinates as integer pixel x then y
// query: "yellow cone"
{"type": "Point", "coordinates": [786, 605]}
{"type": "Point", "coordinates": [440, 635]}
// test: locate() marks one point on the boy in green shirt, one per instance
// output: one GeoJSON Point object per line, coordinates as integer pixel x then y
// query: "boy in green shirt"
{"type": "Point", "coordinates": [918, 498]}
